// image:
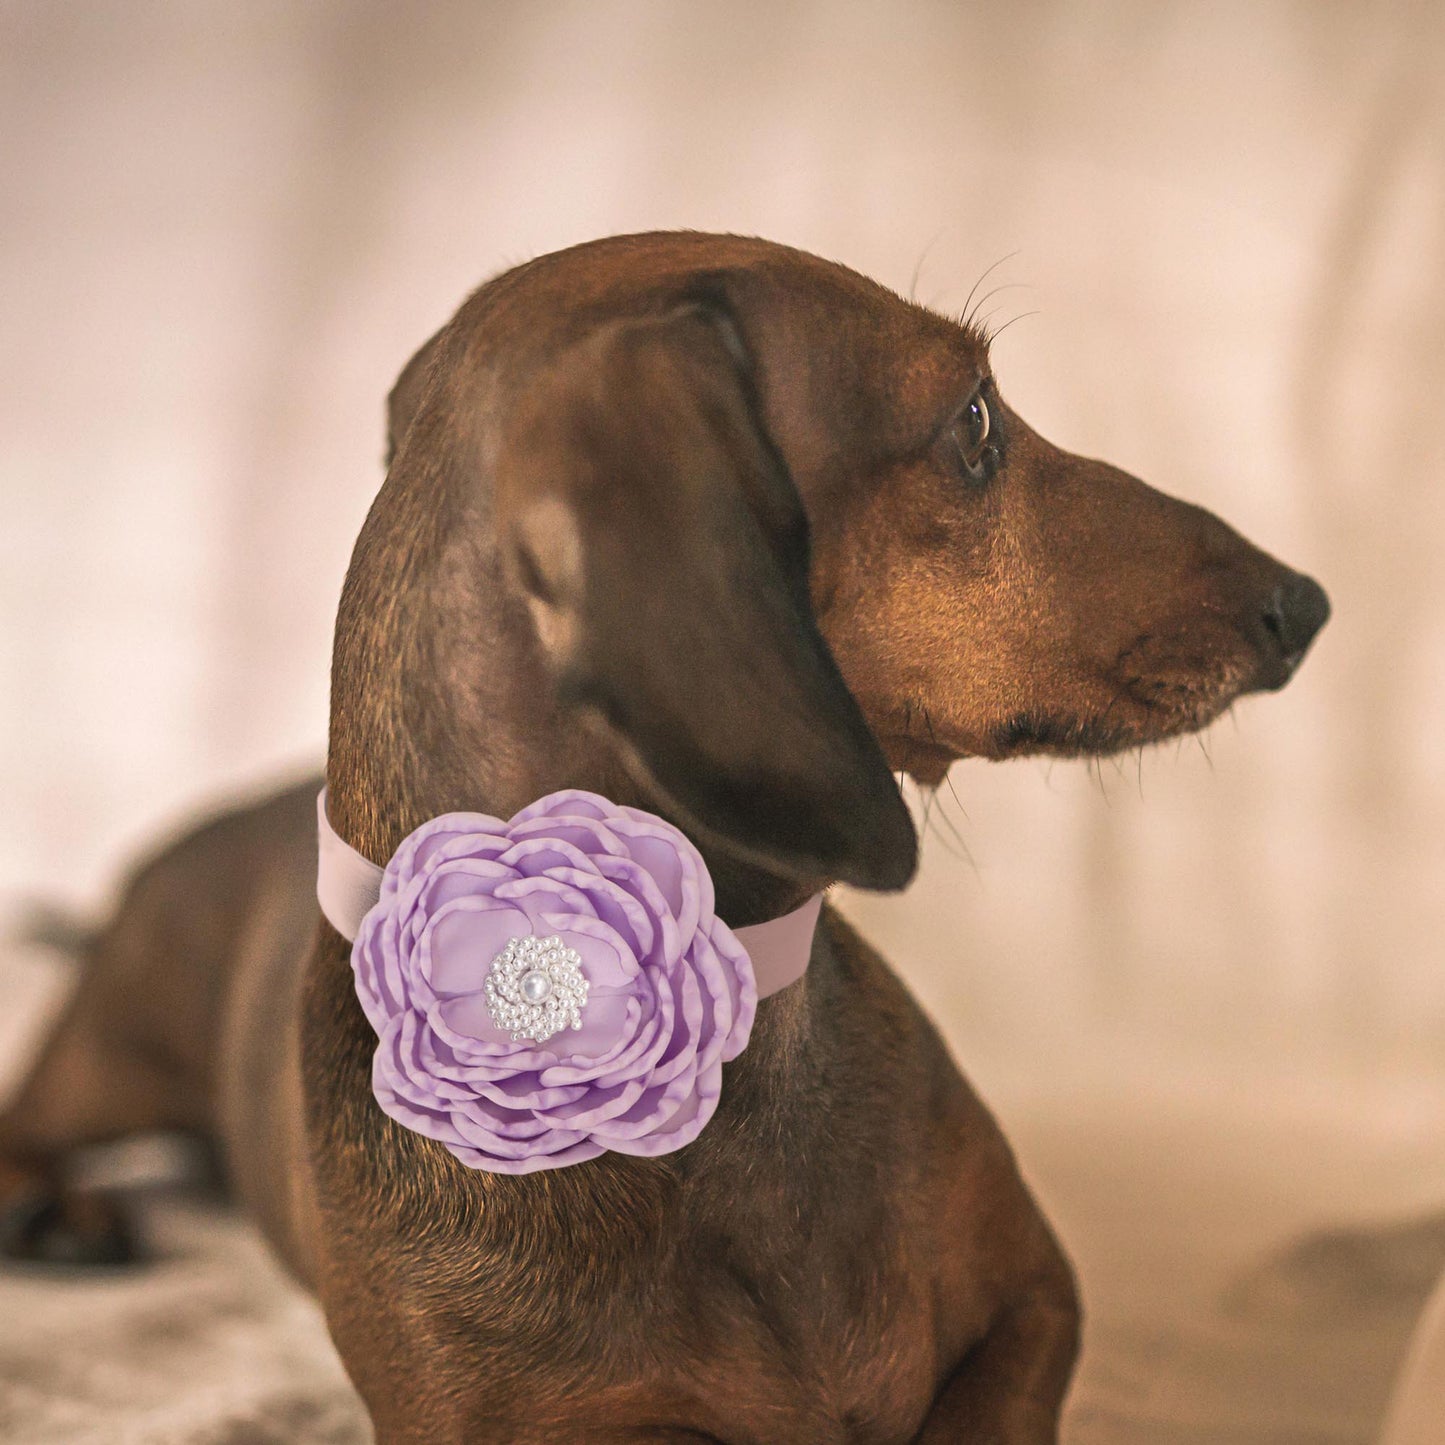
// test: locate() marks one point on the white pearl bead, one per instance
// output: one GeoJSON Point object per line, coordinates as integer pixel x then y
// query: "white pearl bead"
{"type": "Point", "coordinates": [535, 986]}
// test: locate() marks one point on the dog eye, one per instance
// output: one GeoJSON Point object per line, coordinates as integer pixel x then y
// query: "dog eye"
{"type": "Point", "coordinates": [970, 436]}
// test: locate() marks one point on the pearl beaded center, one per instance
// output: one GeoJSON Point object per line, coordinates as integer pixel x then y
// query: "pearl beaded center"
{"type": "Point", "coordinates": [535, 988]}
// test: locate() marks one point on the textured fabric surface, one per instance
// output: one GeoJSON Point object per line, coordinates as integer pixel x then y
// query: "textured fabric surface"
{"type": "Point", "coordinates": [1203, 987]}
{"type": "Point", "coordinates": [209, 1346]}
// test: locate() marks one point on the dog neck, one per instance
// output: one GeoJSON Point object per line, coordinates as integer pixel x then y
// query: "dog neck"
{"type": "Point", "coordinates": [442, 702]}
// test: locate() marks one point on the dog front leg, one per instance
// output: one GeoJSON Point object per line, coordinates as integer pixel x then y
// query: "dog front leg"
{"type": "Point", "coordinates": [1009, 1389]}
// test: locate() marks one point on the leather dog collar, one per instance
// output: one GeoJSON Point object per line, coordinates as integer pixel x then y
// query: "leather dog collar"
{"type": "Point", "coordinates": [549, 988]}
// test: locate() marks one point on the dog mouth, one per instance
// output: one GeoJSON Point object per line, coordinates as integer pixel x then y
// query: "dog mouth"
{"type": "Point", "coordinates": [1144, 709]}
{"type": "Point", "coordinates": [1024, 734]}
{"type": "Point", "coordinates": [1068, 737]}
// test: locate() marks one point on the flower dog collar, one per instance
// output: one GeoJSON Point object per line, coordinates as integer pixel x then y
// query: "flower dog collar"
{"type": "Point", "coordinates": [552, 987]}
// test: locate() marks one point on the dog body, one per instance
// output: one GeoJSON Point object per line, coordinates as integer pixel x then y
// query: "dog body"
{"type": "Point", "coordinates": [724, 531]}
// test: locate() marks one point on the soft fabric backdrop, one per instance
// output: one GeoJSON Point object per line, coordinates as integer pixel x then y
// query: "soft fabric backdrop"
{"type": "Point", "coordinates": [223, 229]}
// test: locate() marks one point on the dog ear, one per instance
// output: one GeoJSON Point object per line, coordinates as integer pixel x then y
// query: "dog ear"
{"type": "Point", "coordinates": [664, 551]}
{"type": "Point", "coordinates": [403, 401]}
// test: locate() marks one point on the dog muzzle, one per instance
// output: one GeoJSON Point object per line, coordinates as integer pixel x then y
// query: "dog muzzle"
{"type": "Point", "coordinates": [549, 988]}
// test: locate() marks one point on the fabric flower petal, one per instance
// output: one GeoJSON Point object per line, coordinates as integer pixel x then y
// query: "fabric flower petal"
{"type": "Point", "coordinates": [609, 1027]}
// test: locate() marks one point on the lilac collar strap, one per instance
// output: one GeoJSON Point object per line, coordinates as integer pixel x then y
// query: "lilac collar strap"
{"type": "Point", "coordinates": [549, 988]}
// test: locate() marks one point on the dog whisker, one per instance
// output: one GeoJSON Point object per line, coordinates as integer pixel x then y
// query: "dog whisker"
{"type": "Point", "coordinates": [982, 322]}
{"type": "Point", "coordinates": [928, 795]}
{"type": "Point", "coordinates": [993, 336]}
{"type": "Point", "coordinates": [1202, 740]}
{"type": "Point", "coordinates": [932, 814]}
{"type": "Point", "coordinates": [992, 292]}
{"type": "Point", "coordinates": [965, 316]}
{"type": "Point", "coordinates": [908, 734]}
{"type": "Point", "coordinates": [928, 723]}
{"type": "Point", "coordinates": [1098, 767]}
{"type": "Point", "coordinates": [948, 778]}
{"type": "Point", "coordinates": [965, 852]}
{"type": "Point", "coordinates": [918, 269]}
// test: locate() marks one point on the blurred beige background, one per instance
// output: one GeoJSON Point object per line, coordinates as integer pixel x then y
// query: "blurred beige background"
{"type": "Point", "coordinates": [1206, 988]}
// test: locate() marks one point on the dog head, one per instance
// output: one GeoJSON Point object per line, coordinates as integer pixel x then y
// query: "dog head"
{"type": "Point", "coordinates": [772, 532]}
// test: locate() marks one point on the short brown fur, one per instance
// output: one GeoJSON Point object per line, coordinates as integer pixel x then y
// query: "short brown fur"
{"type": "Point", "coordinates": [687, 520]}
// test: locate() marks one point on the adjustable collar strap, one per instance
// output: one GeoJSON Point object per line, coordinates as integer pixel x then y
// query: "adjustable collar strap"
{"type": "Point", "coordinates": [348, 886]}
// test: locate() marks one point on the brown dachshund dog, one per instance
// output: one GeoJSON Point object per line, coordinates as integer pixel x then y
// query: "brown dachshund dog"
{"type": "Point", "coordinates": [718, 529]}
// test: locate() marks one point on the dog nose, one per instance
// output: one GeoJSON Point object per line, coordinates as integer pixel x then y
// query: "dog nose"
{"type": "Point", "coordinates": [1296, 611]}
